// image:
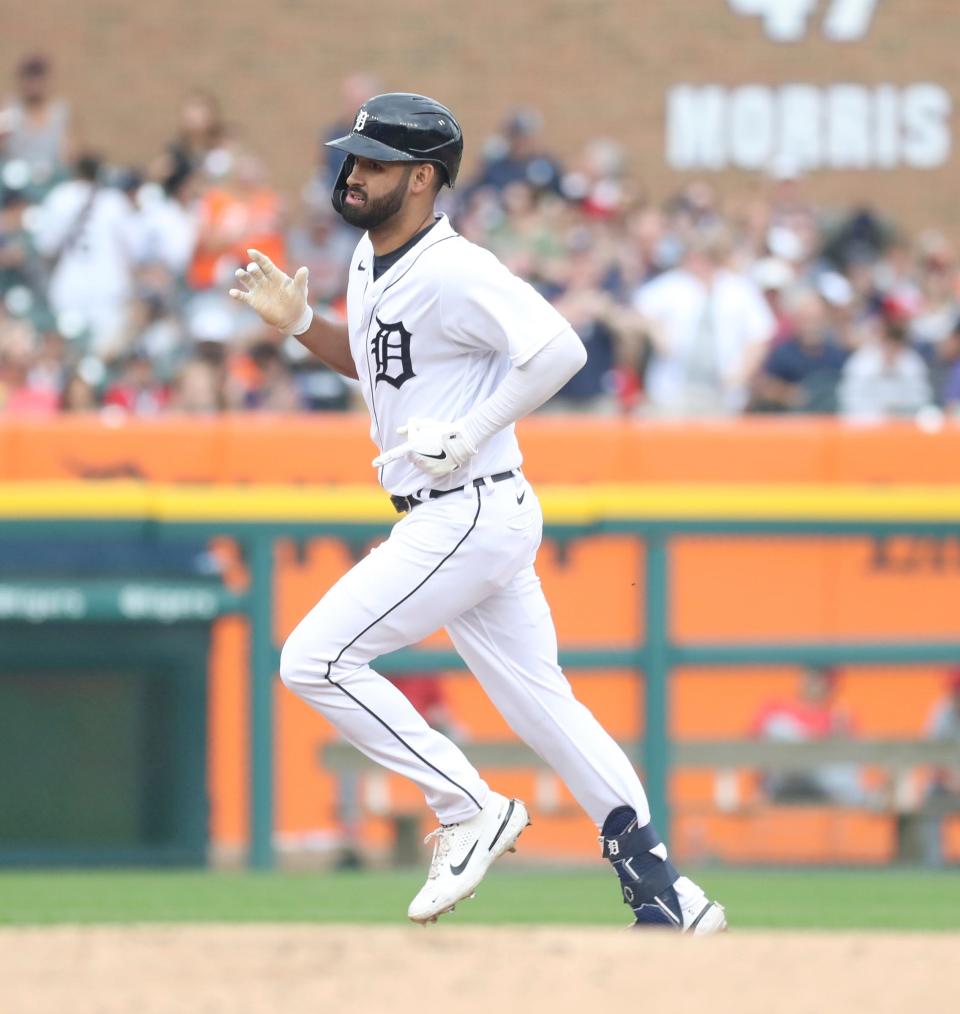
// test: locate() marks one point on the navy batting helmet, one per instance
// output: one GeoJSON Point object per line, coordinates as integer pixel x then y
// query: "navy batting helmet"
{"type": "Point", "coordinates": [401, 127]}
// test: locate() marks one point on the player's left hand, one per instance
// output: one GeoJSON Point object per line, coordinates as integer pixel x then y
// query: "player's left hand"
{"type": "Point", "coordinates": [436, 448]}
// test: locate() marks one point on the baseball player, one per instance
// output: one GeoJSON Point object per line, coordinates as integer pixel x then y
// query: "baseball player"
{"type": "Point", "coordinates": [450, 350]}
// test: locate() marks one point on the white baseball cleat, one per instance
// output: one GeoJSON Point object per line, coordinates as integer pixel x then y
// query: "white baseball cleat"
{"type": "Point", "coordinates": [701, 917]}
{"type": "Point", "coordinates": [462, 854]}
{"type": "Point", "coordinates": [710, 919]}
{"type": "Point", "coordinates": [684, 907]}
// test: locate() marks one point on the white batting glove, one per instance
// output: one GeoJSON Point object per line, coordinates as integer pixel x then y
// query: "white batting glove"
{"type": "Point", "coordinates": [436, 448]}
{"type": "Point", "coordinates": [279, 299]}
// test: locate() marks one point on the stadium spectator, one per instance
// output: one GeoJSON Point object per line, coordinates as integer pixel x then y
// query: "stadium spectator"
{"type": "Point", "coordinates": [84, 229]}
{"type": "Point", "coordinates": [613, 334]}
{"type": "Point", "coordinates": [774, 277]}
{"type": "Point", "coordinates": [325, 244]}
{"type": "Point", "coordinates": [710, 327]}
{"type": "Point", "coordinates": [951, 391]}
{"type": "Point", "coordinates": [801, 373]}
{"type": "Point", "coordinates": [170, 221]}
{"type": "Point", "coordinates": [933, 328]}
{"type": "Point", "coordinates": [938, 309]}
{"type": "Point", "coordinates": [241, 212]}
{"type": "Point", "coordinates": [598, 181]}
{"type": "Point", "coordinates": [199, 387]}
{"type": "Point", "coordinates": [20, 265]}
{"type": "Point", "coordinates": [79, 390]}
{"type": "Point", "coordinates": [35, 127]}
{"type": "Point", "coordinates": [264, 381]}
{"type": "Point", "coordinates": [137, 390]}
{"type": "Point", "coordinates": [679, 303]}
{"type": "Point", "coordinates": [650, 247]}
{"type": "Point", "coordinates": [813, 715]}
{"type": "Point", "coordinates": [943, 792]}
{"type": "Point", "coordinates": [517, 156]}
{"type": "Point", "coordinates": [29, 383]}
{"type": "Point", "coordinates": [202, 143]}
{"type": "Point", "coordinates": [885, 377]}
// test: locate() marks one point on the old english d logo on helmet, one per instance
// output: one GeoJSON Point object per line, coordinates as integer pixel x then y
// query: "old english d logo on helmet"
{"type": "Point", "coordinates": [401, 127]}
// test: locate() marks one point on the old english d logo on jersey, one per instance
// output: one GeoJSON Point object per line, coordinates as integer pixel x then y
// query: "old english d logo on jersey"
{"type": "Point", "coordinates": [391, 350]}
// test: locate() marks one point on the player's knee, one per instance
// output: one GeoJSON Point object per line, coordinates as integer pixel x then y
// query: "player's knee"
{"type": "Point", "coordinates": [307, 664]}
{"type": "Point", "coordinates": [294, 664]}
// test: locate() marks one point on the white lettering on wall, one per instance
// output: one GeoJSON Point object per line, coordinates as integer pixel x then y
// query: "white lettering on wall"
{"type": "Point", "coordinates": [789, 20]}
{"type": "Point", "coordinates": [841, 126]}
{"type": "Point", "coordinates": [926, 117]}
{"type": "Point", "coordinates": [848, 20]}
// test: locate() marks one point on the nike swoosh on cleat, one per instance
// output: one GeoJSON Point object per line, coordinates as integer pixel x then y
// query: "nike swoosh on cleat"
{"type": "Point", "coordinates": [506, 819]}
{"type": "Point", "coordinates": [436, 457]}
{"type": "Point", "coordinates": [460, 867]}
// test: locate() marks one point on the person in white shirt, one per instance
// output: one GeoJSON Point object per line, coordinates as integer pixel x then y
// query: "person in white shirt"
{"type": "Point", "coordinates": [450, 350]}
{"type": "Point", "coordinates": [709, 326]}
{"type": "Point", "coordinates": [86, 232]}
{"type": "Point", "coordinates": [170, 221]}
{"type": "Point", "coordinates": [885, 377]}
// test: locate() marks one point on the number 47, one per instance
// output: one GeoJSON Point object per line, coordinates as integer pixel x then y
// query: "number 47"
{"type": "Point", "coordinates": [786, 20]}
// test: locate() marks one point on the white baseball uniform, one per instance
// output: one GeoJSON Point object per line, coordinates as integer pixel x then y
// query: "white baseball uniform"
{"type": "Point", "coordinates": [434, 336]}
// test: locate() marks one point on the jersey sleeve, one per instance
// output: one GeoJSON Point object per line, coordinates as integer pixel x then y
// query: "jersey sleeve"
{"type": "Point", "coordinates": [485, 306]}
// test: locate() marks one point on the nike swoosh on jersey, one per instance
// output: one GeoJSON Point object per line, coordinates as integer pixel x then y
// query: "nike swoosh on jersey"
{"type": "Point", "coordinates": [361, 267]}
{"type": "Point", "coordinates": [460, 867]}
{"type": "Point", "coordinates": [521, 496]}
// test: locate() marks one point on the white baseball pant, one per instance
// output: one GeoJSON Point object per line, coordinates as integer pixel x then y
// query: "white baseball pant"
{"type": "Point", "coordinates": [464, 562]}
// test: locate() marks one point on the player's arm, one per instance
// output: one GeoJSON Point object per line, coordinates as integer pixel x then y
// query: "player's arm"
{"type": "Point", "coordinates": [524, 388]}
{"type": "Point", "coordinates": [281, 301]}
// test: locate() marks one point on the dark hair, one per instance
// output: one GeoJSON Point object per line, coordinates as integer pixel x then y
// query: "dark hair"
{"type": "Point", "coordinates": [33, 65]}
{"type": "Point", "coordinates": [180, 171]}
{"type": "Point", "coordinates": [87, 166]}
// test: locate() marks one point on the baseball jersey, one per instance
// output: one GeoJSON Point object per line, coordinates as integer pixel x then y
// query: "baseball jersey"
{"type": "Point", "coordinates": [433, 336]}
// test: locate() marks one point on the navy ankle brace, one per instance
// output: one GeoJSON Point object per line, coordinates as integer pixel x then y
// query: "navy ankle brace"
{"type": "Point", "coordinates": [642, 874]}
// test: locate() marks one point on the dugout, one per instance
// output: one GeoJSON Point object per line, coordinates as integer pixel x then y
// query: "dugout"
{"type": "Point", "coordinates": [103, 711]}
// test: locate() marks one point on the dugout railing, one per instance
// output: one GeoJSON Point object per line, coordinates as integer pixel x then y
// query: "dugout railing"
{"type": "Point", "coordinates": [257, 517]}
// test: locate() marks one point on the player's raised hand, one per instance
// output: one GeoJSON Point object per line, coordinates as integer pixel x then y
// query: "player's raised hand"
{"type": "Point", "coordinates": [279, 299]}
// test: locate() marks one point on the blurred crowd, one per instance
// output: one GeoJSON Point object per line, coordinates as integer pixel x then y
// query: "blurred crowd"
{"type": "Point", "coordinates": [113, 278]}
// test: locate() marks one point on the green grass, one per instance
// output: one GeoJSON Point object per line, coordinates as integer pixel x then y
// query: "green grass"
{"type": "Point", "coordinates": [900, 900]}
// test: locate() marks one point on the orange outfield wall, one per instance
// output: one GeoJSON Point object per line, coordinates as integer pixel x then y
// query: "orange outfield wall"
{"type": "Point", "coordinates": [723, 588]}
{"type": "Point", "coordinates": [337, 448]}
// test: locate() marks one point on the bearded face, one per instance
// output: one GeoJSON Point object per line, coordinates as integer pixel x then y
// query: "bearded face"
{"type": "Point", "coordinates": [380, 195]}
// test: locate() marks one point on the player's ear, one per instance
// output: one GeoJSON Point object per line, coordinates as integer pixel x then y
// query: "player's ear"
{"type": "Point", "coordinates": [424, 177]}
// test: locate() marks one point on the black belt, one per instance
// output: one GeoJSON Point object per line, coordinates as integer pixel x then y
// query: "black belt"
{"type": "Point", "coordinates": [407, 503]}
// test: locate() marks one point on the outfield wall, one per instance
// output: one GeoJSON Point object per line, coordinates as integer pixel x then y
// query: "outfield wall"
{"type": "Point", "coordinates": [762, 588]}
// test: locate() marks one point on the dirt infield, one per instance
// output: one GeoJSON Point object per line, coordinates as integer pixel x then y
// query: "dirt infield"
{"type": "Point", "coordinates": [293, 969]}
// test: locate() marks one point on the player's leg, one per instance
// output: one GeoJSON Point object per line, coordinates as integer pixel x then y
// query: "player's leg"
{"type": "Point", "coordinates": [399, 593]}
{"type": "Point", "coordinates": [436, 564]}
{"type": "Point", "coordinates": [509, 643]}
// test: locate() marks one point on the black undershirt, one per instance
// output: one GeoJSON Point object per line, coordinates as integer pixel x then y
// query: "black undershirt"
{"type": "Point", "coordinates": [384, 262]}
